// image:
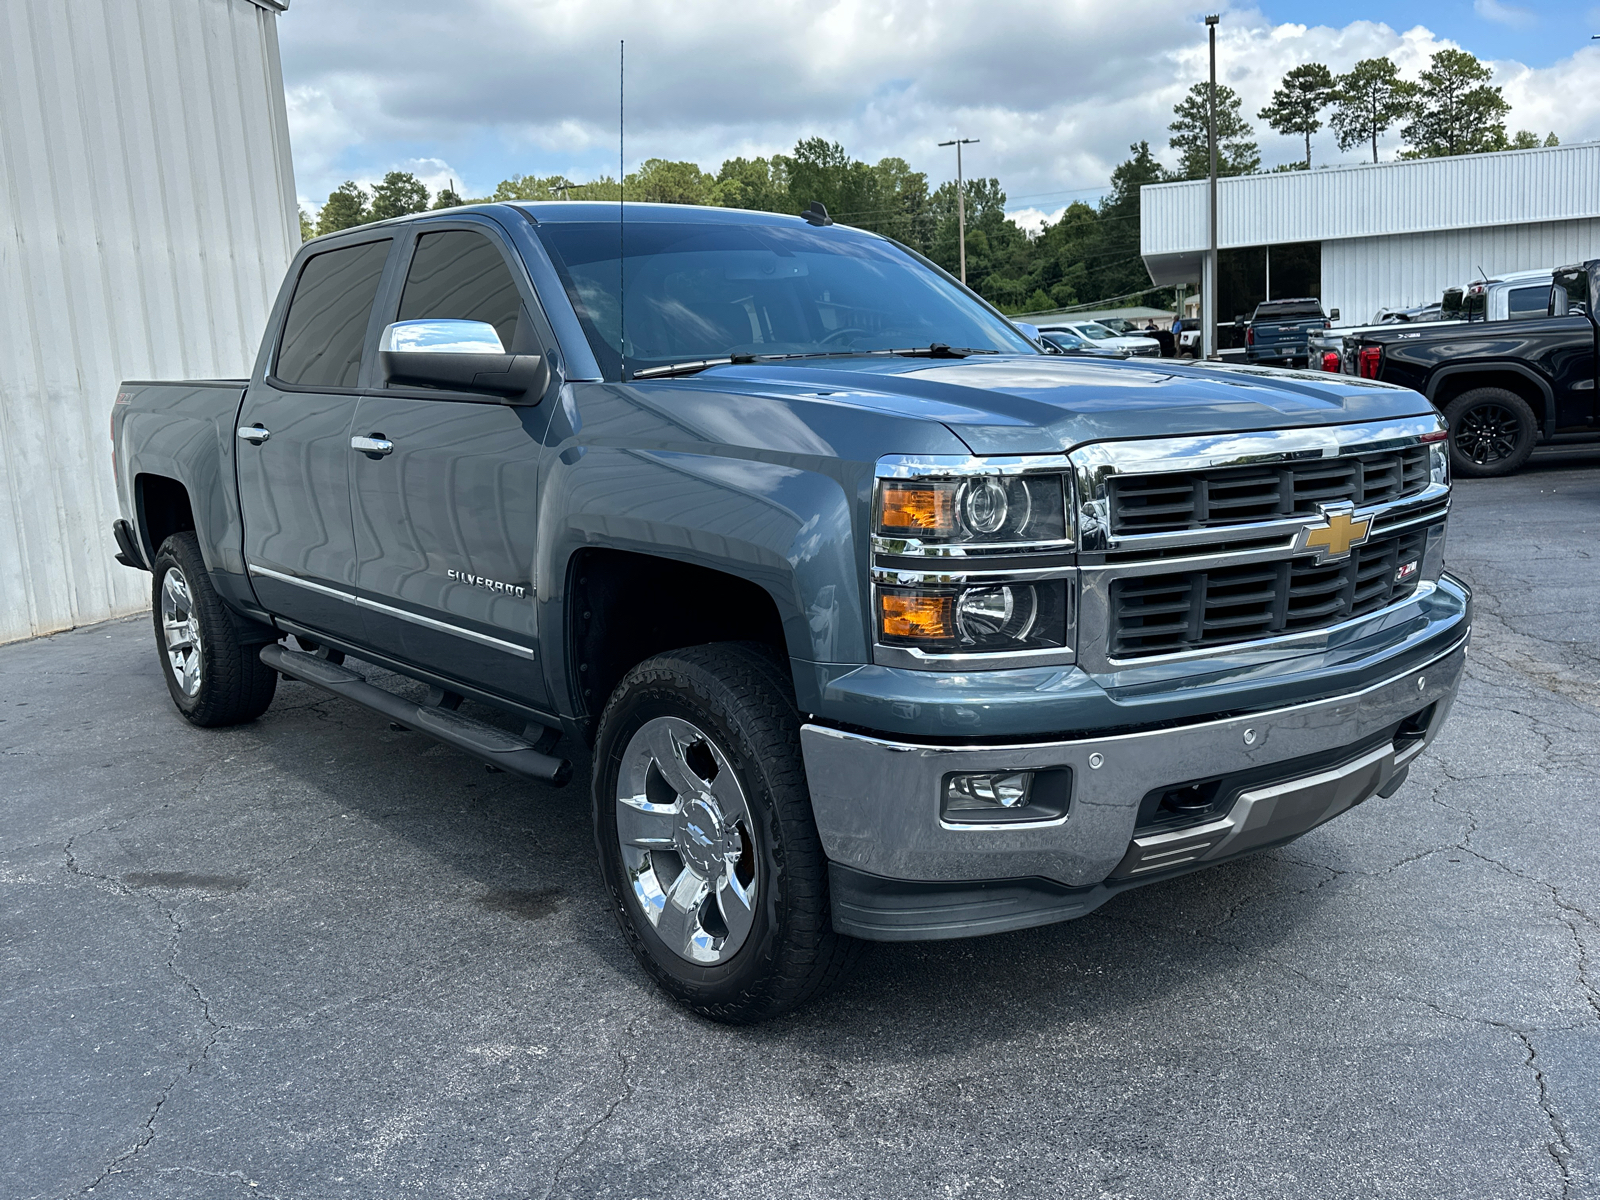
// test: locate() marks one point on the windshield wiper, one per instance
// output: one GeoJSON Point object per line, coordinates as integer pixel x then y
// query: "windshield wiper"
{"type": "Point", "coordinates": [682, 368]}
{"type": "Point", "coordinates": [936, 350]}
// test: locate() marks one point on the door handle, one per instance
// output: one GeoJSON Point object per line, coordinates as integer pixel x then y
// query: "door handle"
{"type": "Point", "coordinates": [254, 434]}
{"type": "Point", "coordinates": [377, 445]}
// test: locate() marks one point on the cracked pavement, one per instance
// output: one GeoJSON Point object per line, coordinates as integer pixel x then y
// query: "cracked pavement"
{"type": "Point", "coordinates": [314, 957]}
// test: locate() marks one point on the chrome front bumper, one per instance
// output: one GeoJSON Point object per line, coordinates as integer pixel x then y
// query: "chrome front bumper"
{"type": "Point", "coordinates": [877, 801]}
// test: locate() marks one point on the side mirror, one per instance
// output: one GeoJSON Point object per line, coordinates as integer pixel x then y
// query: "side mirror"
{"type": "Point", "coordinates": [460, 355]}
{"type": "Point", "coordinates": [1031, 332]}
{"type": "Point", "coordinates": [1333, 314]}
{"type": "Point", "coordinates": [1241, 319]}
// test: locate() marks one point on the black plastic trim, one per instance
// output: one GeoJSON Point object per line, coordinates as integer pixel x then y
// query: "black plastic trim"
{"type": "Point", "coordinates": [128, 553]}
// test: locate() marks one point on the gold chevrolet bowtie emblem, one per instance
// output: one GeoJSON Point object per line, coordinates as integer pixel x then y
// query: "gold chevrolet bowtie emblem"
{"type": "Point", "coordinates": [1339, 532]}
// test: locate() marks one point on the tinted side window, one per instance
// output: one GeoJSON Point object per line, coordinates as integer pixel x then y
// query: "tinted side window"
{"type": "Point", "coordinates": [1528, 302]}
{"type": "Point", "coordinates": [328, 316]}
{"type": "Point", "coordinates": [460, 275]}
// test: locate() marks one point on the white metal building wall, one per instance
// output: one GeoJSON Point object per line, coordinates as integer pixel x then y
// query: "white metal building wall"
{"type": "Point", "coordinates": [1421, 195]}
{"type": "Point", "coordinates": [1362, 275]}
{"type": "Point", "coordinates": [147, 214]}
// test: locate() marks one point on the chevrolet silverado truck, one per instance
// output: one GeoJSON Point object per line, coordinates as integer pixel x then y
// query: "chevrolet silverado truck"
{"type": "Point", "coordinates": [870, 619]}
{"type": "Point", "coordinates": [1278, 331]}
{"type": "Point", "coordinates": [1507, 378]}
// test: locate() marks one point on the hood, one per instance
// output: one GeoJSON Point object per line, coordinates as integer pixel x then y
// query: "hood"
{"type": "Point", "coordinates": [1040, 404]}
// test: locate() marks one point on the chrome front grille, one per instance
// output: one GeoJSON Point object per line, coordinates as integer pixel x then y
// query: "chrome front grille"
{"type": "Point", "coordinates": [1194, 546]}
{"type": "Point", "coordinates": [1179, 611]}
{"type": "Point", "coordinates": [1173, 501]}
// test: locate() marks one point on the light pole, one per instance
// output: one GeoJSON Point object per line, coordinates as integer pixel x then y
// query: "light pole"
{"type": "Point", "coordinates": [961, 201]}
{"type": "Point", "coordinates": [1208, 297]}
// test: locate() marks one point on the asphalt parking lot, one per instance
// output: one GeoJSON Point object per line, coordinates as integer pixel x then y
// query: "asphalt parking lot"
{"type": "Point", "coordinates": [313, 957]}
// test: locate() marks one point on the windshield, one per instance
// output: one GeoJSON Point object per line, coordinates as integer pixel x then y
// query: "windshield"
{"type": "Point", "coordinates": [698, 290]}
{"type": "Point", "coordinates": [1098, 332]}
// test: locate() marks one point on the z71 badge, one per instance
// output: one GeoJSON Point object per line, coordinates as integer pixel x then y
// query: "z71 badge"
{"type": "Point", "coordinates": [492, 585]}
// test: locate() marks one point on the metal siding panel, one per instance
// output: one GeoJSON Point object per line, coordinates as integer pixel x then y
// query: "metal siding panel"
{"type": "Point", "coordinates": [1515, 187]}
{"type": "Point", "coordinates": [148, 216]}
{"type": "Point", "coordinates": [1361, 275]}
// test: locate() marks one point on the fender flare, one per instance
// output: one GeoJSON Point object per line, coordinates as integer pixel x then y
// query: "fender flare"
{"type": "Point", "coordinates": [1546, 392]}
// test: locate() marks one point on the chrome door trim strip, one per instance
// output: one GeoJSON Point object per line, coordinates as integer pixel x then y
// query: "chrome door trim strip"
{"type": "Point", "coordinates": [281, 577]}
{"type": "Point", "coordinates": [402, 614]}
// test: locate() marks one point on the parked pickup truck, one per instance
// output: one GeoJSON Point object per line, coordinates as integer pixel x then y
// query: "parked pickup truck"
{"type": "Point", "coordinates": [1278, 331]}
{"type": "Point", "coordinates": [870, 619]}
{"type": "Point", "coordinates": [1505, 384]}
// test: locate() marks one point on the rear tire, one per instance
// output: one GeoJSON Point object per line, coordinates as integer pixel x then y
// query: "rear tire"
{"type": "Point", "coordinates": [215, 677]}
{"type": "Point", "coordinates": [707, 843]}
{"type": "Point", "coordinates": [1492, 432]}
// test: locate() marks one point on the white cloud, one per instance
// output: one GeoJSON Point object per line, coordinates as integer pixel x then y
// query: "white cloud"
{"type": "Point", "coordinates": [1056, 89]}
{"type": "Point", "coordinates": [1504, 14]}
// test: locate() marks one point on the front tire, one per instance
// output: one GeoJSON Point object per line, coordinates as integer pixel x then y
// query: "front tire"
{"type": "Point", "coordinates": [1492, 432]}
{"type": "Point", "coordinates": [214, 677]}
{"type": "Point", "coordinates": [707, 843]}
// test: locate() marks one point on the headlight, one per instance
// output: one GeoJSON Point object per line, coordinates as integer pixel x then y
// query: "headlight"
{"type": "Point", "coordinates": [973, 556]}
{"type": "Point", "coordinates": [975, 619]}
{"type": "Point", "coordinates": [984, 508]}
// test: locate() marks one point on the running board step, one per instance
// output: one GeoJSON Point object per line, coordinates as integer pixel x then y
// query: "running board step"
{"type": "Point", "coordinates": [493, 746]}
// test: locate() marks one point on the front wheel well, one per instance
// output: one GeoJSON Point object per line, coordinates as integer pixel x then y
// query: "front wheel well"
{"type": "Point", "coordinates": [624, 607]}
{"type": "Point", "coordinates": [163, 509]}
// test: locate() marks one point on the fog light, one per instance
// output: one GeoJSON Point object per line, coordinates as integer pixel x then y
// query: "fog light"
{"type": "Point", "coordinates": [966, 793]}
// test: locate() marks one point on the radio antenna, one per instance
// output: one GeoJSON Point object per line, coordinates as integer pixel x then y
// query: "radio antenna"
{"type": "Point", "coordinates": [622, 197]}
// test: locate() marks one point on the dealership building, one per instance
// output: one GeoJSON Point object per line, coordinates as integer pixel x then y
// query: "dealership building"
{"type": "Point", "coordinates": [1375, 236]}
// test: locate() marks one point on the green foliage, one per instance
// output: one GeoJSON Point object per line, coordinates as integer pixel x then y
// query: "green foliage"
{"type": "Point", "coordinates": [1552, 140]}
{"type": "Point", "coordinates": [1296, 107]}
{"type": "Point", "coordinates": [1367, 101]}
{"type": "Point", "coordinates": [448, 198]}
{"type": "Point", "coordinates": [346, 208]}
{"type": "Point", "coordinates": [753, 183]}
{"type": "Point", "coordinates": [1455, 110]}
{"type": "Point", "coordinates": [1237, 152]}
{"type": "Point", "coordinates": [307, 229]}
{"type": "Point", "coordinates": [400, 193]}
{"type": "Point", "coordinates": [1526, 139]}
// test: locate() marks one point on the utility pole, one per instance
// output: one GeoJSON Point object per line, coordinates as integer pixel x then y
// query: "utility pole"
{"type": "Point", "coordinates": [1208, 297]}
{"type": "Point", "coordinates": [961, 200]}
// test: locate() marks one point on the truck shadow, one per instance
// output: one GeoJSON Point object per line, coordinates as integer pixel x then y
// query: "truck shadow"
{"type": "Point", "coordinates": [524, 853]}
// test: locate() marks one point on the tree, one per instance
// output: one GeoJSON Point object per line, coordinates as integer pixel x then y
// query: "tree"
{"type": "Point", "coordinates": [1296, 107]}
{"type": "Point", "coordinates": [752, 183]}
{"type": "Point", "coordinates": [448, 197]}
{"type": "Point", "coordinates": [1455, 110]}
{"type": "Point", "coordinates": [1237, 152]}
{"type": "Point", "coordinates": [400, 193]}
{"type": "Point", "coordinates": [346, 207]}
{"type": "Point", "coordinates": [660, 181]}
{"type": "Point", "coordinates": [1367, 101]}
{"type": "Point", "coordinates": [307, 229]}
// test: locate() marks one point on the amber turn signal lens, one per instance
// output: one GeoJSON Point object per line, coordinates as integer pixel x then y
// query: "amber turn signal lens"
{"type": "Point", "coordinates": [917, 616]}
{"type": "Point", "coordinates": [918, 508]}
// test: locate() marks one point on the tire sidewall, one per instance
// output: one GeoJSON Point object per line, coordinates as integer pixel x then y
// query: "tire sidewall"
{"type": "Point", "coordinates": [692, 695]}
{"type": "Point", "coordinates": [1527, 432]}
{"type": "Point", "coordinates": [172, 556]}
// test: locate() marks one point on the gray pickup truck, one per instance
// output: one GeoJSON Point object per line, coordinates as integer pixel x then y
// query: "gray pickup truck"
{"type": "Point", "coordinates": [871, 620]}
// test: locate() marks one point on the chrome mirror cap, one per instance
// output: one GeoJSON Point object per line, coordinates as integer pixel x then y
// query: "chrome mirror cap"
{"type": "Point", "coordinates": [435, 336]}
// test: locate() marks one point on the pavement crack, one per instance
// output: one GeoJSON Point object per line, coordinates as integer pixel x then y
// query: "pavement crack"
{"type": "Point", "coordinates": [1560, 1146]}
{"type": "Point", "coordinates": [625, 1079]}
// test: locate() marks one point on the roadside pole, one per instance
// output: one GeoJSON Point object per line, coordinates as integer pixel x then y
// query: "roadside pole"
{"type": "Point", "coordinates": [961, 201]}
{"type": "Point", "coordinates": [1208, 293]}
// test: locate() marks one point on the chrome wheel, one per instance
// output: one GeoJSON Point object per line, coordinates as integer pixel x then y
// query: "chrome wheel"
{"type": "Point", "coordinates": [685, 834]}
{"type": "Point", "coordinates": [181, 631]}
{"type": "Point", "coordinates": [1487, 433]}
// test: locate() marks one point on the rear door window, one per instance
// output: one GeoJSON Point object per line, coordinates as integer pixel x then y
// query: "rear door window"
{"type": "Point", "coordinates": [457, 274]}
{"type": "Point", "coordinates": [326, 327]}
{"type": "Point", "coordinates": [1526, 302]}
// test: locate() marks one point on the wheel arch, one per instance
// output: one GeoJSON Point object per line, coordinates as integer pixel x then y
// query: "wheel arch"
{"type": "Point", "coordinates": [163, 508]}
{"type": "Point", "coordinates": [624, 606]}
{"type": "Point", "coordinates": [1448, 382]}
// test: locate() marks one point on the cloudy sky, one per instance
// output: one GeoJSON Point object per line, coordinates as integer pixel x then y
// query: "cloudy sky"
{"type": "Point", "coordinates": [1057, 90]}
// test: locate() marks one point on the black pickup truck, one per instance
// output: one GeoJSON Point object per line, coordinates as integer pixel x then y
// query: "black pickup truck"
{"type": "Point", "coordinates": [870, 619]}
{"type": "Point", "coordinates": [1504, 386]}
